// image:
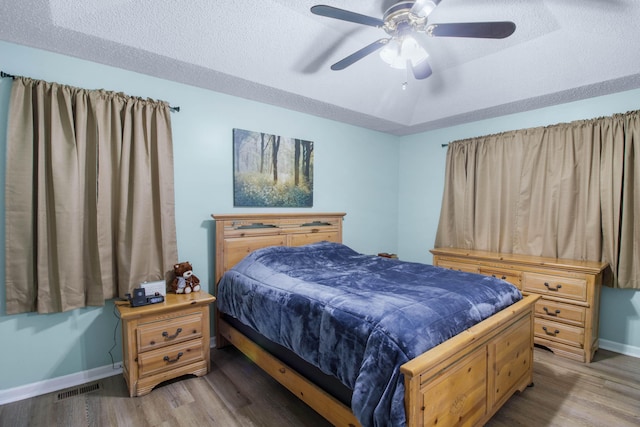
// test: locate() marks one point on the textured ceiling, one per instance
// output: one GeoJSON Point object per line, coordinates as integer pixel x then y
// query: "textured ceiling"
{"type": "Point", "coordinates": [277, 52]}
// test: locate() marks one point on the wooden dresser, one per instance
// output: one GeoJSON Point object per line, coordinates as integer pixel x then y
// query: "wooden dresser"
{"type": "Point", "coordinates": [567, 315]}
{"type": "Point", "coordinates": [165, 340]}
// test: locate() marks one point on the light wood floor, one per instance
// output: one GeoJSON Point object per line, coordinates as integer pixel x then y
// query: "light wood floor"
{"type": "Point", "coordinates": [237, 393]}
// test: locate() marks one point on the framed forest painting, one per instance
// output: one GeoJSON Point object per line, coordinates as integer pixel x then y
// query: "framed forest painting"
{"type": "Point", "coordinates": [271, 170]}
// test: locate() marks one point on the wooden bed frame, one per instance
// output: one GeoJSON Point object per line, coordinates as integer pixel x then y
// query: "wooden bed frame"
{"type": "Point", "coordinates": [464, 380]}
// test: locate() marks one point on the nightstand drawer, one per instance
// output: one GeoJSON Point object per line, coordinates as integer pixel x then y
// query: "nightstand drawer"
{"type": "Point", "coordinates": [564, 287]}
{"type": "Point", "coordinates": [167, 332]}
{"type": "Point", "coordinates": [559, 332]}
{"type": "Point", "coordinates": [168, 358]}
{"type": "Point", "coordinates": [563, 312]}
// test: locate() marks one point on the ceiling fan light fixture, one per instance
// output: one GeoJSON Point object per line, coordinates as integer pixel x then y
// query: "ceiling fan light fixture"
{"type": "Point", "coordinates": [397, 52]}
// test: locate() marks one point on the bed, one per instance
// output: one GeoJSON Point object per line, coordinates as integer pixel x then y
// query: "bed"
{"type": "Point", "coordinates": [463, 380]}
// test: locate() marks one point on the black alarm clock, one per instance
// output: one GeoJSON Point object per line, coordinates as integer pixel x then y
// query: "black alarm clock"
{"type": "Point", "coordinates": [140, 298]}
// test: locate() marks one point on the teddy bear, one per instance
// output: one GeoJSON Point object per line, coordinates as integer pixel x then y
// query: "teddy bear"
{"type": "Point", "coordinates": [185, 281]}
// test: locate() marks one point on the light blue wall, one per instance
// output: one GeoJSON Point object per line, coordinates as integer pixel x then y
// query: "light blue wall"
{"type": "Point", "coordinates": [355, 171]}
{"type": "Point", "coordinates": [422, 164]}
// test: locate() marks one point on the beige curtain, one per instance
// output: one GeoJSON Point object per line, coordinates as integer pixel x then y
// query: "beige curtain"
{"type": "Point", "coordinates": [624, 252]}
{"type": "Point", "coordinates": [89, 196]}
{"type": "Point", "coordinates": [565, 191]}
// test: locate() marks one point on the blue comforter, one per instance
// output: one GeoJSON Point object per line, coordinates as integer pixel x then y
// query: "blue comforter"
{"type": "Point", "coordinates": [357, 317]}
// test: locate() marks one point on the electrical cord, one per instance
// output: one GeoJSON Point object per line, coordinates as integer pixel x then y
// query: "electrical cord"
{"type": "Point", "coordinates": [115, 330]}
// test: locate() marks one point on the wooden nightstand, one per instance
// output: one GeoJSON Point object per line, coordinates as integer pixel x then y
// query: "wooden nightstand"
{"type": "Point", "coordinates": [164, 341]}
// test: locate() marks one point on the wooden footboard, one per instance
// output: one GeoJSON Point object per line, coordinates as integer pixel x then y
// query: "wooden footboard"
{"type": "Point", "coordinates": [465, 380]}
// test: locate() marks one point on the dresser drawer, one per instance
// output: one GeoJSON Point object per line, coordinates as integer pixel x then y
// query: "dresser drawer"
{"type": "Point", "coordinates": [564, 287]}
{"type": "Point", "coordinates": [171, 331]}
{"type": "Point", "coordinates": [558, 310]}
{"type": "Point", "coordinates": [559, 332]}
{"type": "Point", "coordinates": [171, 357]}
{"type": "Point", "coordinates": [458, 266]}
{"type": "Point", "coordinates": [513, 277]}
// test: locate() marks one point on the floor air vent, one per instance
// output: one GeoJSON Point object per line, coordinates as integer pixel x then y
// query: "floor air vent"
{"type": "Point", "coordinates": [86, 388]}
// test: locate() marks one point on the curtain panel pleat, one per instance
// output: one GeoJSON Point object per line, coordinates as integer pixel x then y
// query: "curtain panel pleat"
{"type": "Point", "coordinates": [565, 191]}
{"type": "Point", "coordinates": [89, 196]}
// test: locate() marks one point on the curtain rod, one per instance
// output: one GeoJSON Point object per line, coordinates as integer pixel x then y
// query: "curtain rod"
{"type": "Point", "coordinates": [444, 145]}
{"type": "Point", "coordinates": [11, 76]}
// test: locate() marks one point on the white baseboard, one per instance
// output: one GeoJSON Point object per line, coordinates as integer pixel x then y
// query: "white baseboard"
{"type": "Point", "coordinates": [59, 383]}
{"type": "Point", "coordinates": [628, 350]}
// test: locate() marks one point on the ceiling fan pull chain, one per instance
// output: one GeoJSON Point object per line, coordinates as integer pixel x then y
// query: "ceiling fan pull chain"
{"type": "Point", "coordinates": [406, 79]}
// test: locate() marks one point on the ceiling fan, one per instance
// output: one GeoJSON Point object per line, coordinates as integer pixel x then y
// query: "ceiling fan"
{"type": "Point", "coordinates": [401, 21]}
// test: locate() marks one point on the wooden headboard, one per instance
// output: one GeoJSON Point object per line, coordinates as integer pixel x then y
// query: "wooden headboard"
{"type": "Point", "coordinates": [239, 234]}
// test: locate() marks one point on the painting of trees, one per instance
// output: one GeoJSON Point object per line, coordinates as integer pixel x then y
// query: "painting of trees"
{"type": "Point", "coordinates": [271, 170]}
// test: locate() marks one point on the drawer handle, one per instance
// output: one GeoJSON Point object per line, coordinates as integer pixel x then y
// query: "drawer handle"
{"type": "Point", "coordinates": [555, 313]}
{"type": "Point", "coordinates": [169, 360]}
{"type": "Point", "coordinates": [170, 337]}
{"type": "Point", "coordinates": [503, 277]}
{"type": "Point", "coordinates": [554, 333]}
{"type": "Point", "coordinates": [557, 288]}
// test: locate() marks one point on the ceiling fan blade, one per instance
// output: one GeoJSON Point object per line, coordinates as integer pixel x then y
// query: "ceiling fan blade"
{"type": "Point", "coordinates": [345, 15]}
{"type": "Point", "coordinates": [358, 55]}
{"type": "Point", "coordinates": [483, 30]}
{"type": "Point", "coordinates": [420, 71]}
